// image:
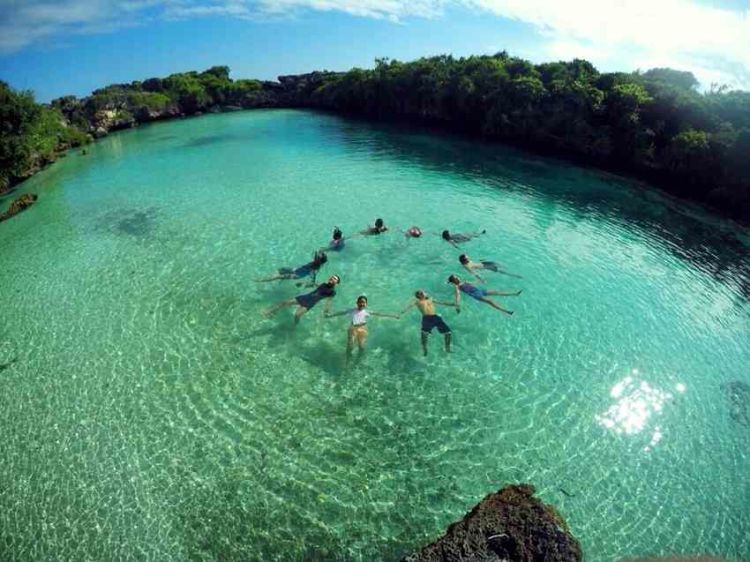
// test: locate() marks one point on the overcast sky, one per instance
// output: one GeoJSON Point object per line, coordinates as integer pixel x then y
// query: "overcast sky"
{"type": "Point", "coordinates": [73, 46]}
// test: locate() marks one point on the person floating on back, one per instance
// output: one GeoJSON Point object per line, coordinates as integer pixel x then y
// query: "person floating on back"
{"type": "Point", "coordinates": [472, 266]}
{"type": "Point", "coordinates": [456, 238]}
{"type": "Point", "coordinates": [478, 294]}
{"type": "Point", "coordinates": [306, 301]}
{"type": "Point", "coordinates": [309, 269]}
{"type": "Point", "coordinates": [337, 240]}
{"type": "Point", "coordinates": [358, 324]}
{"type": "Point", "coordinates": [430, 319]}
{"type": "Point", "coordinates": [413, 232]}
{"type": "Point", "coordinates": [379, 228]}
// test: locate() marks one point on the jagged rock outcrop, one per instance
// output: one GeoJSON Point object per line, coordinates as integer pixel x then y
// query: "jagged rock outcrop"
{"type": "Point", "coordinates": [20, 204]}
{"type": "Point", "coordinates": [510, 524]}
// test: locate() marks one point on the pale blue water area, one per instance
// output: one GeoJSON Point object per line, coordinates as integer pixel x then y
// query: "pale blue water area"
{"type": "Point", "coordinates": [149, 412]}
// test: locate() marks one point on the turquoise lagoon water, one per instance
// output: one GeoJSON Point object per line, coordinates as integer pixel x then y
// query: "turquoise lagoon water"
{"type": "Point", "coordinates": [149, 412]}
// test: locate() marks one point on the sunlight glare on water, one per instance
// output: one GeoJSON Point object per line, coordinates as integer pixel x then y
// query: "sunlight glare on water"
{"type": "Point", "coordinates": [150, 412]}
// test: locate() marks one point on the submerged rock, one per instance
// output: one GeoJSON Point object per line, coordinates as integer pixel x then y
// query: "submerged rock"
{"type": "Point", "coordinates": [507, 525]}
{"type": "Point", "coordinates": [20, 204]}
{"type": "Point", "coordinates": [738, 396]}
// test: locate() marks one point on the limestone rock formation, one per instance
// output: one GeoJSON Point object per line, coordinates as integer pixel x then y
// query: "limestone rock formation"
{"type": "Point", "coordinates": [510, 524]}
{"type": "Point", "coordinates": [20, 204]}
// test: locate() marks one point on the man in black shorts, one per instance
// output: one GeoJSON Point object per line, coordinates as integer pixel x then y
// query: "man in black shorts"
{"type": "Point", "coordinates": [430, 319]}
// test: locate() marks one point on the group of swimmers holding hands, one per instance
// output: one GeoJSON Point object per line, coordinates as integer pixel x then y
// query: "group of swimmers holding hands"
{"type": "Point", "coordinates": [358, 316]}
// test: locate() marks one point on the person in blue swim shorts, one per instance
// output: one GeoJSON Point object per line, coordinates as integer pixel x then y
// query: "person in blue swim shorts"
{"type": "Point", "coordinates": [478, 293]}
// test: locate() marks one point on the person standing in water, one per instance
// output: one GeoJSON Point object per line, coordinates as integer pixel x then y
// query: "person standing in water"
{"type": "Point", "coordinates": [311, 268]}
{"type": "Point", "coordinates": [306, 301]}
{"type": "Point", "coordinates": [358, 324]}
{"type": "Point", "coordinates": [457, 238]}
{"type": "Point", "coordinates": [379, 228]}
{"type": "Point", "coordinates": [430, 319]}
{"type": "Point", "coordinates": [478, 294]}
{"type": "Point", "coordinates": [472, 266]}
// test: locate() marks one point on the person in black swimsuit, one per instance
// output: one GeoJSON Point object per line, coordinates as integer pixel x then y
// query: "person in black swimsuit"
{"type": "Point", "coordinates": [473, 266]}
{"type": "Point", "coordinates": [430, 319]}
{"type": "Point", "coordinates": [307, 270]}
{"type": "Point", "coordinates": [306, 301]}
{"type": "Point", "coordinates": [455, 238]}
{"type": "Point", "coordinates": [379, 228]}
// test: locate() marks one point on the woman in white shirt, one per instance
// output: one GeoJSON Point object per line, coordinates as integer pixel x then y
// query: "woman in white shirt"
{"type": "Point", "coordinates": [358, 324]}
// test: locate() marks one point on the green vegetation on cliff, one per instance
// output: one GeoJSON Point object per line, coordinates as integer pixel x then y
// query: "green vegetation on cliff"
{"type": "Point", "coordinates": [655, 124]}
{"type": "Point", "coordinates": [31, 135]}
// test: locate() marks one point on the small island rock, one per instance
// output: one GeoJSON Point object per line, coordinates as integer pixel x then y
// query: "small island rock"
{"type": "Point", "coordinates": [20, 204]}
{"type": "Point", "coordinates": [510, 524]}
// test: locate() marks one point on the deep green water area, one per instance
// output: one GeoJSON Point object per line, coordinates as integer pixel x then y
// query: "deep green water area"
{"type": "Point", "coordinates": [149, 412]}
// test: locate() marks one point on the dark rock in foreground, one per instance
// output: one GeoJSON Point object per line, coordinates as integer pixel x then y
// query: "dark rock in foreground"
{"type": "Point", "coordinates": [20, 204]}
{"type": "Point", "coordinates": [508, 525]}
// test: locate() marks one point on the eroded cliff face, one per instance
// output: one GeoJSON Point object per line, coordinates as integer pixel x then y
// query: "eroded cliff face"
{"type": "Point", "coordinates": [510, 524]}
{"type": "Point", "coordinates": [120, 112]}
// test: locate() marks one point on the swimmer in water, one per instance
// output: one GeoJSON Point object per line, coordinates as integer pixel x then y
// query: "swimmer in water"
{"type": "Point", "coordinates": [306, 301]}
{"type": "Point", "coordinates": [379, 228]}
{"type": "Point", "coordinates": [358, 324]}
{"type": "Point", "coordinates": [430, 319]}
{"type": "Point", "coordinates": [337, 240]}
{"type": "Point", "coordinates": [457, 238]}
{"type": "Point", "coordinates": [413, 232]}
{"type": "Point", "coordinates": [472, 266]}
{"type": "Point", "coordinates": [478, 294]}
{"type": "Point", "coordinates": [309, 269]}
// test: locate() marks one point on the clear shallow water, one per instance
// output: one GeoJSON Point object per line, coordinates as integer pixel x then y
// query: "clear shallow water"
{"type": "Point", "coordinates": [148, 412]}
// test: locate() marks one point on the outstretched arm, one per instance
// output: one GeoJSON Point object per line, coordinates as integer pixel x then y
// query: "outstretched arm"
{"type": "Point", "coordinates": [457, 297]}
{"type": "Point", "coordinates": [340, 313]}
{"type": "Point", "coordinates": [383, 315]}
{"type": "Point", "coordinates": [328, 306]}
{"type": "Point", "coordinates": [409, 306]}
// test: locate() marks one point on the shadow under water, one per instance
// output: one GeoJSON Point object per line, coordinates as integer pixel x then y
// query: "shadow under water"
{"type": "Point", "coordinates": [138, 223]}
{"type": "Point", "coordinates": [215, 139]}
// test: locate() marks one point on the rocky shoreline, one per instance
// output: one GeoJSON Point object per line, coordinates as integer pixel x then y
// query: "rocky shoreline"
{"type": "Point", "coordinates": [123, 106]}
{"type": "Point", "coordinates": [289, 91]}
{"type": "Point", "coordinates": [97, 119]}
